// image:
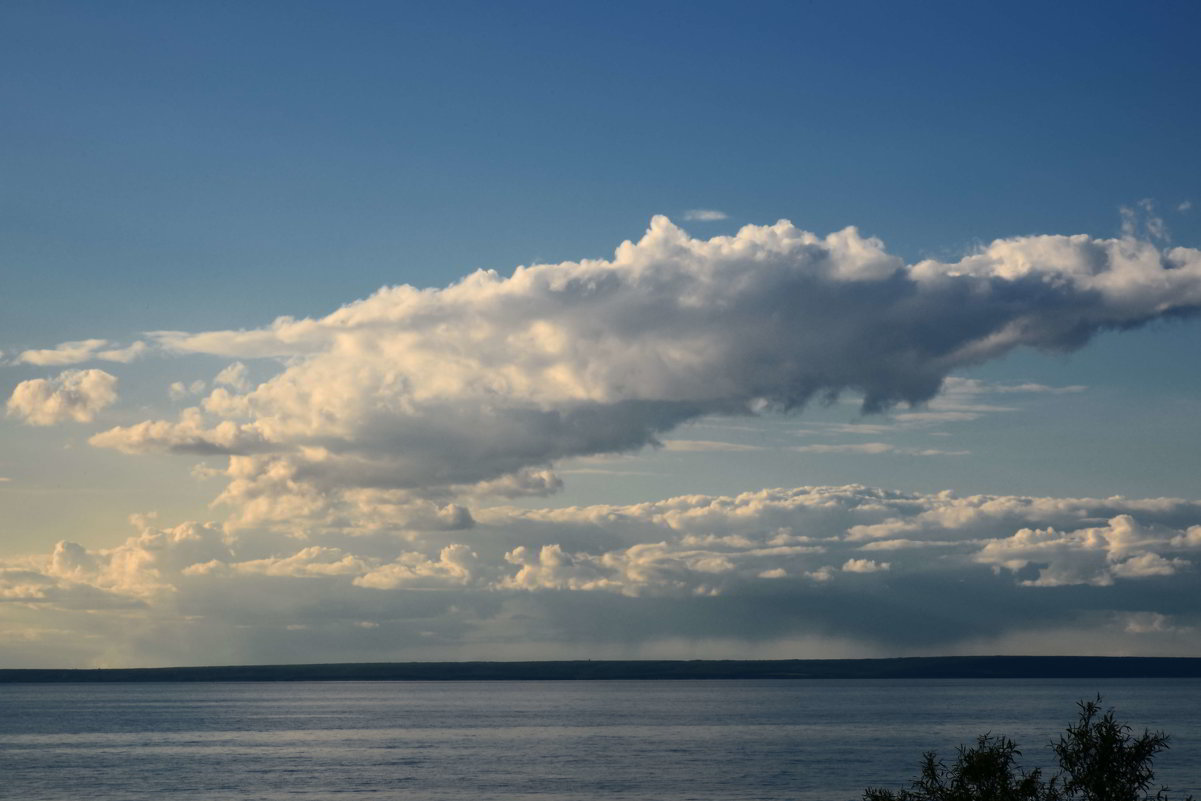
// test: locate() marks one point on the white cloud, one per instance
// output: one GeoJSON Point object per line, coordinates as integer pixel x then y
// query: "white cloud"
{"type": "Point", "coordinates": [455, 566]}
{"type": "Point", "coordinates": [307, 562]}
{"type": "Point", "coordinates": [1188, 539]}
{"type": "Point", "coordinates": [1184, 206]}
{"type": "Point", "coordinates": [64, 353]}
{"type": "Point", "coordinates": [189, 435]}
{"type": "Point", "coordinates": [861, 448]}
{"type": "Point", "coordinates": [82, 351]}
{"type": "Point", "coordinates": [702, 445]}
{"type": "Point", "coordinates": [903, 544]}
{"type": "Point", "coordinates": [1096, 555]}
{"type": "Point", "coordinates": [864, 566]}
{"type": "Point", "coordinates": [822, 574]}
{"type": "Point", "coordinates": [124, 355]}
{"type": "Point", "coordinates": [178, 390]}
{"type": "Point", "coordinates": [435, 392]}
{"type": "Point", "coordinates": [965, 394]}
{"type": "Point", "coordinates": [1142, 222]}
{"type": "Point", "coordinates": [73, 395]}
{"type": "Point", "coordinates": [705, 215]}
{"type": "Point", "coordinates": [234, 377]}
{"type": "Point", "coordinates": [1035, 388]}
{"type": "Point", "coordinates": [1151, 623]}
{"type": "Point", "coordinates": [875, 448]}
{"type": "Point", "coordinates": [286, 336]}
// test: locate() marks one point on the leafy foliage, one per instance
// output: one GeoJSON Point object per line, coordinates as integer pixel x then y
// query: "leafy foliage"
{"type": "Point", "coordinates": [1100, 759]}
{"type": "Point", "coordinates": [987, 772]}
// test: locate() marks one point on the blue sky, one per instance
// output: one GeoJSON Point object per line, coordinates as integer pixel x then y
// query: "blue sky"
{"type": "Point", "coordinates": [210, 167]}
{"type": "Point", "coordinates": [322, 152]}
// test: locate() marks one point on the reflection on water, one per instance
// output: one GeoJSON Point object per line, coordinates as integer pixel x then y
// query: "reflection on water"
{"type": "Point", "coordinates": [728, 740]}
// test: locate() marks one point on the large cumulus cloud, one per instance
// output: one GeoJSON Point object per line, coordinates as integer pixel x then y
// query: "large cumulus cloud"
{"type": "Point", "coordinates": [415, 396]}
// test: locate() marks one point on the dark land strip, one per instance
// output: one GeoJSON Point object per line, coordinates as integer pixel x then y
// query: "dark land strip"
{"type": "Point", "coordinates": [943, 667]}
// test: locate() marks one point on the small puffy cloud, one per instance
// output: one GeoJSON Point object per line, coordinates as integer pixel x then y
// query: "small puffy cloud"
{"type": "Point", "coordinates": [1142, 221]}
{"type": "Point", "coordinates": [1184, 205]}
{"type": "Point", "coordinates": [1151, 623]}
{"type": "Point", "coordinates": [82, 351]}
{"type": "Point", "coordinates": [1188, 539]}
{"type": "Point", "coordinates": [705, 215]}
{"type": "Point", "coordinates": [1148, 564]}
{"type": "Point", "coordinates": [234, 377]}
{"type": "Point", "coordinates": [456, 565]}
{"type": "Point", "coordinates": [73, 395]}
{"type": "Point", "coordinates": [178, 390]}
{"type": "Point", "coordinates": [864, 566]}
{"type": "Point", "coordinates": [528, 482]}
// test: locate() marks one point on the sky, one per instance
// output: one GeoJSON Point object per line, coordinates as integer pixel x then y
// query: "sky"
{"type": "Point", "coordinates": [405, 331]}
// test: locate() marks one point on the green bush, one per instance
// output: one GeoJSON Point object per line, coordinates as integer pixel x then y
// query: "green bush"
{"type": "Point", "coordinates": [1100, 759]}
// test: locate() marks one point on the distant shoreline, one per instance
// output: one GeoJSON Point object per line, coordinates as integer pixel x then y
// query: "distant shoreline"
{"type": "Point", "coordinates": [944, 667]}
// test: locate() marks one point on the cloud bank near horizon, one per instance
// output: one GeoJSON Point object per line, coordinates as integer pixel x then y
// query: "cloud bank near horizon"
{"type": "Point", "coordinates": [415, 397]}
{"type": "Point", "coordinates": [849, 569]}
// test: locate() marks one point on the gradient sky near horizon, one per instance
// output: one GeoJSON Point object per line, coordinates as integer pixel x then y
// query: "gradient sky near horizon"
{"type": "Point", "coordinates": [362, 331]}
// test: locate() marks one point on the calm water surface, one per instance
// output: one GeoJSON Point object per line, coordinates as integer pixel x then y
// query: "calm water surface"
{"type": "Point", "coordinates": [454, 741]}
